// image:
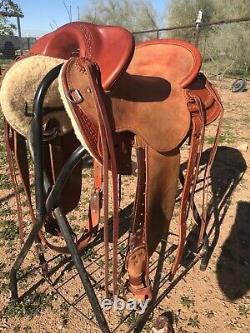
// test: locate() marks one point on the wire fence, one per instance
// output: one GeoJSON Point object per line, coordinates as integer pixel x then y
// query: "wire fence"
{"type": "Point", "coordinates": [224, 45]}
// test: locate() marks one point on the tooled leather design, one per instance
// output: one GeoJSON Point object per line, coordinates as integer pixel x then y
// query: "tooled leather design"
{"type": "Point", "coordinates": [88, 39]}
{"type": "Point", "coordinates": [89, 129]}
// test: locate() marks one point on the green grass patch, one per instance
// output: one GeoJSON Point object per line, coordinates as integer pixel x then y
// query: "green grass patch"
{"type": "Point", "coordinates": [30, 306]}
{"type": "Point", "coordinates": [209, 140]}
{"type": "Point", "coordinates": [89, 254]}
{"type": "Point", "coordinates": [194, 322]}
{"type": "Point", "coordinates": [5, 183]}
{"type": "Point", "coordinates": [9, 231]}
{"type": "Point", "coordinates": [227, 137]}
{"type": "Point", "coordinates": [244, 310]}
{"type": "Point", "coordinates": [123, 249]}
{"type": "Point", "coordinates": [171, 259]}
{"type": "Point", "coordinates": [186, 301]}
{"type": "Point", "coordinates": [4, 210]}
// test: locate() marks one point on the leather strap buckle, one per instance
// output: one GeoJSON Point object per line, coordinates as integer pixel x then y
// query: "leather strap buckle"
{"type": "Point", "coordinates": [74, 96]}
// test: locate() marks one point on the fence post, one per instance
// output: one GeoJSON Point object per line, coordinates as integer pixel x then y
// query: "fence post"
{"type": "Point", "coordinates": [19, 34]}
{"type": "Point", "coordinates": [198, 22]}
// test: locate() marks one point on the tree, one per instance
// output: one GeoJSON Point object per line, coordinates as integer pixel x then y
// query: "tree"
{"type": "Point", "coordinates": [225, 48]}
{"type": "Point", "coordinates": [133, 15]}
{"type": "Point", "coordinates": [8, 8]}
{"type": "Point", "coordinates": [231, 9]}
{"type": "Point", "coordinates": [230, 43]}
{"type": "Point", "coordinates": [184, 12]}
{"type": "Point", "coordinates": [6, 28]}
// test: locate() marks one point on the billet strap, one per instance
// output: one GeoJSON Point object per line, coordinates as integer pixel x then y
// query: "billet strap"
{"type": "Point", "coordinates": [196, 145]}
{"type": "Point", "coordinates": [80, 81]}
{"type": "Point", "coordinates": [213, 111]}
{"type": "Point", "coordinates": [202, 114]}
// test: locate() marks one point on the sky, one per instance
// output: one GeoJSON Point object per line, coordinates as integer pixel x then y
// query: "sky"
{"type": "Point", "coordinates": [41, 16]}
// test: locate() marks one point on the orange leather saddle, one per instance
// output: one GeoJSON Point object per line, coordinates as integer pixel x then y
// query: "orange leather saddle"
{"type": "Point", "coordinates": [155, 73]}
{"type": "Point", "coordinates": [118, 95]}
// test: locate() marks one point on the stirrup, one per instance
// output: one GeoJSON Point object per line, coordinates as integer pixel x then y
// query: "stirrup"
{"type": "Point", "coordinates": [143, 293]}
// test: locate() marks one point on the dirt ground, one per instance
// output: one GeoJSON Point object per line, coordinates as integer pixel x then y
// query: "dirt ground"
{"type": "Point", "coordinates": [212, 301]}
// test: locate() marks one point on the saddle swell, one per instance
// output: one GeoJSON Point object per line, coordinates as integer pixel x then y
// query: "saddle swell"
{"type": "Point", "coordinates": [98, 43]}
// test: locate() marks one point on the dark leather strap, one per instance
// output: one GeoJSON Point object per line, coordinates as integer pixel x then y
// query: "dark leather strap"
{"type": "Point", "coordinates": [11, 142]}
{"type": "Point", "coordinates": [199, 118]}
{"type": "Point", "coordinates": [86, 73]}
{"type": "Point", "coordinates": [210, 163]}
{"type": "Point", "coordinates": [197, 139]}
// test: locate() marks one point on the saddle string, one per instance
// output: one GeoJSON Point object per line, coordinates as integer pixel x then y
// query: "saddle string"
{"type": "Point", "coordinates": [209, 164]}
{"type": "Point", "coordinates": [9, 143]}
{"type": "Point", "coordinates": [16, 150]}
{"type": "Point", "coordinates": [196, 142]}
{"type": "Point", "coordinates": [109, 156]}
{"type": "Point", "coordinates": [201, 125]}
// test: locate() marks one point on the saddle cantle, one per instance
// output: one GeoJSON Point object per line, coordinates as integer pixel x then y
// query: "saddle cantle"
{"type": "Point", "coordinates": [117, 96]}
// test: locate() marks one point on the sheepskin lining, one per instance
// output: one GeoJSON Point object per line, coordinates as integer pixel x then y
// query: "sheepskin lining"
{"type": "Point", "coordinates": [18, 90]}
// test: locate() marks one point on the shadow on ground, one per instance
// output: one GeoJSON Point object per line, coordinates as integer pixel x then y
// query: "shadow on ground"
{"type": "Point", "coordinates": [233, 265]}
{"type": "Point", "coordinates": [227, 171]}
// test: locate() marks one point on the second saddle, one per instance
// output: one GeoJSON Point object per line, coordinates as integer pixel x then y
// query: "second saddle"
{"type": "Point", "coordinates": [116, 96]}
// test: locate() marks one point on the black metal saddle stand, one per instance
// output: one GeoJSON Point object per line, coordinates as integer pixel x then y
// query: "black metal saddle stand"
{"type": "Point", "coordinates": [40, 189]}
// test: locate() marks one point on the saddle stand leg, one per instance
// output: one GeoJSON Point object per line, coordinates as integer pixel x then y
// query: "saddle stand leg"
{"type": "Point", "coordinates": [39, 188]}
{"type": "Point", "coordinates": [37, 128]}
{"type": "Point", "coordinates": [22, 255]}
{"type": "Point", "coordinates": [81, 271]}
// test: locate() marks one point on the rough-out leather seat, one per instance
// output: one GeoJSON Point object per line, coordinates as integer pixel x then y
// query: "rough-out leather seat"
{"type": "Point", "coordinates": [95, 42]}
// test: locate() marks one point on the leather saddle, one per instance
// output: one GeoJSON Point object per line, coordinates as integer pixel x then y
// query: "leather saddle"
{"type": "Point", "coordinates": [117, 96]}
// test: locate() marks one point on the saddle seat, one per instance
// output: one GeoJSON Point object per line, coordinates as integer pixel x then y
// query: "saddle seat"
{"type": "Point", "coordinates": [110, 47]}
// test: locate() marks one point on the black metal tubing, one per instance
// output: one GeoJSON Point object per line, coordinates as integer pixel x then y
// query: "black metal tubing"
{"type": "Point", "coordinates": [82, 271]}
{"type": "Point", "coordinates": [38, 165]}
{"type": "Point", "coordinates": [36, 129]}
